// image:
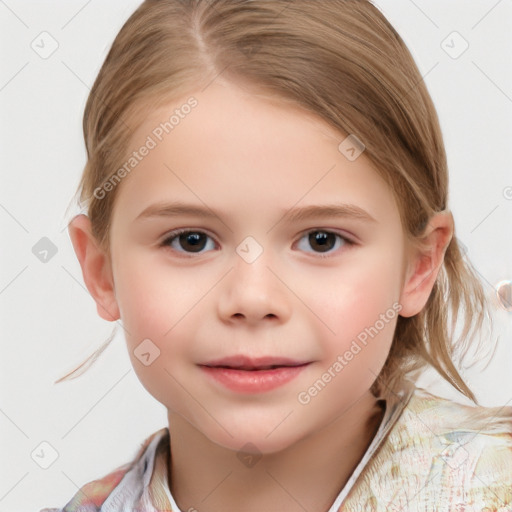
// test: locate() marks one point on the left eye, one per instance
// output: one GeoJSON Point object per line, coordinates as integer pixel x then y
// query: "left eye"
{"type": "Point", "coordinates": [323, 241]}
{"type": "Point", "coordinates": [196, 241]}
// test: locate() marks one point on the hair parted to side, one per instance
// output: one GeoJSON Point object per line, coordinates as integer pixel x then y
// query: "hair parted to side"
{"type": "Point", "coordinates": [341, 60]}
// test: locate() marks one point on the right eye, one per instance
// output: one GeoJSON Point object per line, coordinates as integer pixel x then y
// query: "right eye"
{"type": "Point", "coordinates": [187, 241]}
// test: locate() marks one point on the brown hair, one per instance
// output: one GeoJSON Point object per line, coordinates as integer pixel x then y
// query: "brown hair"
{"type": "Point", "coordinates": [341, 60]}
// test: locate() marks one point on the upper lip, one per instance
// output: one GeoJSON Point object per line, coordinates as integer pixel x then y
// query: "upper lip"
{"type": "Point", "coordinates": [252, 363]}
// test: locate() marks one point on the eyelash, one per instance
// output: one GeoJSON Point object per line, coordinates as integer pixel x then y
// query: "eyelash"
{"type": "Point", "coordinates": [176, 233]}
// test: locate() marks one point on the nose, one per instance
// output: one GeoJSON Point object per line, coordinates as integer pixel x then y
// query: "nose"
{"type": "Point", "coordinates": [251, 293]}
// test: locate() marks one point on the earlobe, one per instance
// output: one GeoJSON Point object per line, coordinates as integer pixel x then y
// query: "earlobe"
{"type": "Point", "coordinates": [424, 266]}
{"type": "Point", "coordinates": [96, 268]}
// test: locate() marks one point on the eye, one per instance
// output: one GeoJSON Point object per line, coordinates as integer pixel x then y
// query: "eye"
{"type": "Point", "coordinates": [195, 242]}
{"type": "Point", "coordinates": [323, 241]}
{"type": "Point", "coordinates": [188, 241]}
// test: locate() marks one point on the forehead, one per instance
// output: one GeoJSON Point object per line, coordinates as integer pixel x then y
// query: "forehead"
{"type": "Point", "coordinates": [228, 146]}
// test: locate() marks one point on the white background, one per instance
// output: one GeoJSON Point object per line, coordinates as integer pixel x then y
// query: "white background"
{"type": "Point", "coordinates": [49, 320]}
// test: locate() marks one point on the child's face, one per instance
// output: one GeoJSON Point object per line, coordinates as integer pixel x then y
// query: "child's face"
{"type": "Point", "coordinates": [213, 295]}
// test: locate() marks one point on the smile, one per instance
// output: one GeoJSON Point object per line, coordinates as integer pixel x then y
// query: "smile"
{"type": "Point", "coordinates": [253, 379]}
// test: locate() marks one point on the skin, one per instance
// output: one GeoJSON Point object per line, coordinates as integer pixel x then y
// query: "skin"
{"type": "Point", "coordinates": [251, 158]}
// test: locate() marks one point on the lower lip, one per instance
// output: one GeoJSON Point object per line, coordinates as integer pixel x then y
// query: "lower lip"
{"type": "Point", "coordinates": [253, 381]}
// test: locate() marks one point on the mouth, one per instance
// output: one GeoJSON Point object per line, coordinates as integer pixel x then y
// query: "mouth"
{"type": "Point", "coordinates": [242, 374]}
{"type": "Point", "coordinates": [256, 369]}
{"type": "Point", "coordinates": [246, 363]}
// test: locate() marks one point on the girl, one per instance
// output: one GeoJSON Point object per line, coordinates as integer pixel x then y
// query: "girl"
{"type": "Point", "coordinates": [267, 213]}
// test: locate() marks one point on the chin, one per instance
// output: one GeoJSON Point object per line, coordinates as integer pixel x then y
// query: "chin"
{"type": "Point", "coordinates": [255, 441]}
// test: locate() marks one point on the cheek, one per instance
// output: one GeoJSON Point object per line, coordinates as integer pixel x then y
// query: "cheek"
{"type": "Point", "coordinates": [355, 308]}
{"type": "Point", "coordinates": [160, 312]}
{"type": "Point", "coordinates": [154, 306]}
{"type": "Point", "coordinates": [153, 298]}
{"type": "Point", "coordinates": [355, 293]}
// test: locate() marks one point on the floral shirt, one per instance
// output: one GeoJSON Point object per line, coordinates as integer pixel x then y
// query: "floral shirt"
{"type": "Point", "coordinates": [430, 454]}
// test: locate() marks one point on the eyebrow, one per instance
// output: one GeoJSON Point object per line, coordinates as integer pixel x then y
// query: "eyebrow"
{"type": "Point", "coordinates": [340, 210]}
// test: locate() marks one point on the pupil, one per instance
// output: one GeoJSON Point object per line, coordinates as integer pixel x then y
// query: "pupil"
{"type": "Point", "coordinates": [193, 240]}
{"type": "Point", "coordinates": [324, 241]}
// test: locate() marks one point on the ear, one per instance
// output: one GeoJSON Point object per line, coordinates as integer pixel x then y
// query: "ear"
{"type": "Point", "coordinates": [96, 267]}
{"type": "Point", "coordinates": [424, 265]}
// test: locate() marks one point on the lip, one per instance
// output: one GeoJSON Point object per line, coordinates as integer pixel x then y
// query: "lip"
{"type": "Point", "coordinates": [244, 374]}
{"type": "Point", "coordinates": [253, 363]}
{"type": "Point", "coordinates": [253, 381]}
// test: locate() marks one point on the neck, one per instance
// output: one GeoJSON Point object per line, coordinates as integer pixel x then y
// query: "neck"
{"type": "Point", "coordinates": [308, 474]}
